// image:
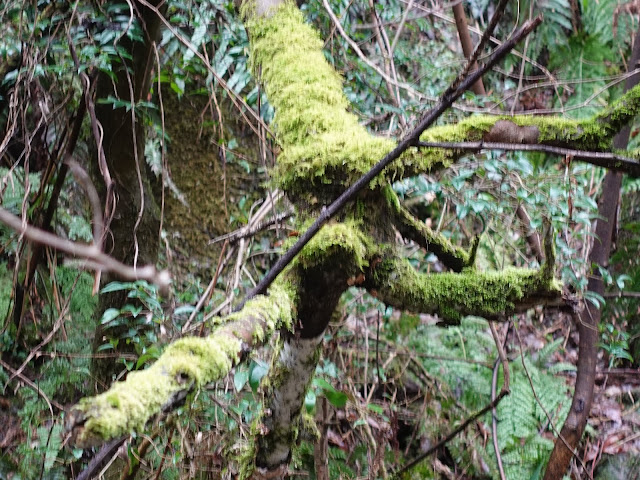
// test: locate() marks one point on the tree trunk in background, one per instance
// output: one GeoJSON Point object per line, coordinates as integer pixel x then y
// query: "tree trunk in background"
{"type": "Point", "coordinates": [467, 44]}
{"type": "Point", "coordinates": [589, 318]}
{"type": "Point", "coordinates": [133, 232]}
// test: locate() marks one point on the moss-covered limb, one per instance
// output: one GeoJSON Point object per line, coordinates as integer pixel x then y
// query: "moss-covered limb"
{"type": "Point", "coordinates": [594, 134]}
{"type": "Point", "coordinates": [620, 112]}
{"type": "Point", "coordinates": [184, 365]}
{"type": "Point", "coordinates": [453, 295]}
{"type": "Point", "coordinates": [323, 144]}
{"type": "Point", "coordinates": [410, 227]}
{"type": "Point", "coordinates": [339, 253]}
{"type": "Point", "coordinates": [321, 141]}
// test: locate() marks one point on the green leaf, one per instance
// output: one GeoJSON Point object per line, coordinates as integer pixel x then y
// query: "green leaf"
{"type": "Point", "coordinates": [184, 309]}
{"type": "Point", "coordinates": [621, 279]}
{"type": "Point", "coordinates": [336, 398]}
{"type": "Point", "coordinates": [310, 400]}
{"type": "Point", "coordinates": [257, 370]}
{"type": "Point", "coordinates": [109, 315]}
{"type": "Point", "coordinates": [241, 377]}
{"type": "Point", "coordinates": [116, 286]}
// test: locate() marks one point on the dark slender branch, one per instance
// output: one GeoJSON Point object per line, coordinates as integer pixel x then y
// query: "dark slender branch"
{"type": "Point", "coordinates": [589, 318]}
{"type": "Point", "coordinates": [610, 161]}
{"type": "Point", "coordinates": [410, 140]}
{"type": "Point", "coordinates": [467, 47]}
{"type": "Point", "coordinates": [100, 458]}
{"type": "Point", "coordinates": [486, 36]}
{"type": "Point", "coordinates": [451, 435]}
{"type": "Point", "coordinates": [533, 239]}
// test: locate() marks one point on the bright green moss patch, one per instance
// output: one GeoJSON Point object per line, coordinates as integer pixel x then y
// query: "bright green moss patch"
{"type": "Point", "coordinates": [344, 239]}
{"type": "Point", "coordinates": [128, 405]}
{"type": "Point", "coordinates": [453, 295]}
{"type": "Point", "coordinates": [187, 363]}
{"type": "Point", "coordinates": [321, 141]}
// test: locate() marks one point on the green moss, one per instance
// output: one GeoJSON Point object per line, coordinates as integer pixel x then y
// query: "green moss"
{"type": "Point", "coordinates": [194, 157]}
{"type": "Point", "coordinates": [345, 239]}
{"type": "Point", "coordinates": [410, 227]}
{"type": "Point", "coordinates": [452, 295]}
{"type": "Point", "coordinates": [187, 363]}
{"type": "Point", "coordinates": [620, 112]}
{"type": "Point", "coordinates": [321, 141]}
{"type": "Point", "coordinates": [274, 309]}
{"type": "Point", "coordinates": [471, 129]}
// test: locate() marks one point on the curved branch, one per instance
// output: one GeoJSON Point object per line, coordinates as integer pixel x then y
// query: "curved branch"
{"type": "Point", "coordinates": [611, 161]}
{"type": "Point", "coordinates": [410, 227]}
{"type": "Point", "coordinates": [185, 365]}
{"type": "Point", "coordinates": [492, 294]}
{"type": "Point", "coordinates": [94, 257]}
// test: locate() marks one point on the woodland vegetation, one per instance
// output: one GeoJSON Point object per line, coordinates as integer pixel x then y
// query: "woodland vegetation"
{"type": "Point", "coordinates": [328, 239]}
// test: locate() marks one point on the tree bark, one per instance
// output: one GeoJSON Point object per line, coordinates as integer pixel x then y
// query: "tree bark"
{"type": "Point", "coordinates": [589, 319]}
{"type": "Point", "coordinates": [467, 45]}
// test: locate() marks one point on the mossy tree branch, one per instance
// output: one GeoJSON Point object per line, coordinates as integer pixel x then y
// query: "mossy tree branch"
{"type": "Point", "coordinates": [184, 366]}
{"type": "Point", "coordinates": [323, 270]}
{"type": "Point", "coordinates": [324, 146]}
{"type": "Point", "coordinates": [492, 295]}
{"type": "Point", "coordinates": [411, 228]}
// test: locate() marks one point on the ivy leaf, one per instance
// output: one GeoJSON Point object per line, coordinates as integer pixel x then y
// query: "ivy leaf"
{"type": "Point", "coordinates": [109, 315]}
{"type": "Point", "coordinates": [257, 370]}
{"type": "Point", "coordinates": [240, 378]}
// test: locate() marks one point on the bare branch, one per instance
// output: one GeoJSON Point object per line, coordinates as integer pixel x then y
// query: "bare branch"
{"type": "Point", "coordinates": [612, 161]}
{"type": "Point", "coordinates": [95, 257]}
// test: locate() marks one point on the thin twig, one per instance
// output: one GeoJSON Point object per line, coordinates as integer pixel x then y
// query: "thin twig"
{"type": "Point", "coordinates": [83, 179]}
{"type": "Point", "coordinates": [403, 20]}
{"type": "Point", "coordinates": [451, 435]}
{"type": "Point", "coordinates": [364, 58]}
{"type": "Point", "coordinates": [108, 450]}
{"type": "Point", "coordinates": [611, 161]}
{"type": "Point", "coordinates": [207, 293]}
{"type": "Point", "coordinates": [502, 359]}
{"type": "Point", "coordinates": [33, 386]}
{"type": "Point", "coordinates": [94, 256]}
{"type": "Point", "coordinates": [250, 232]}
